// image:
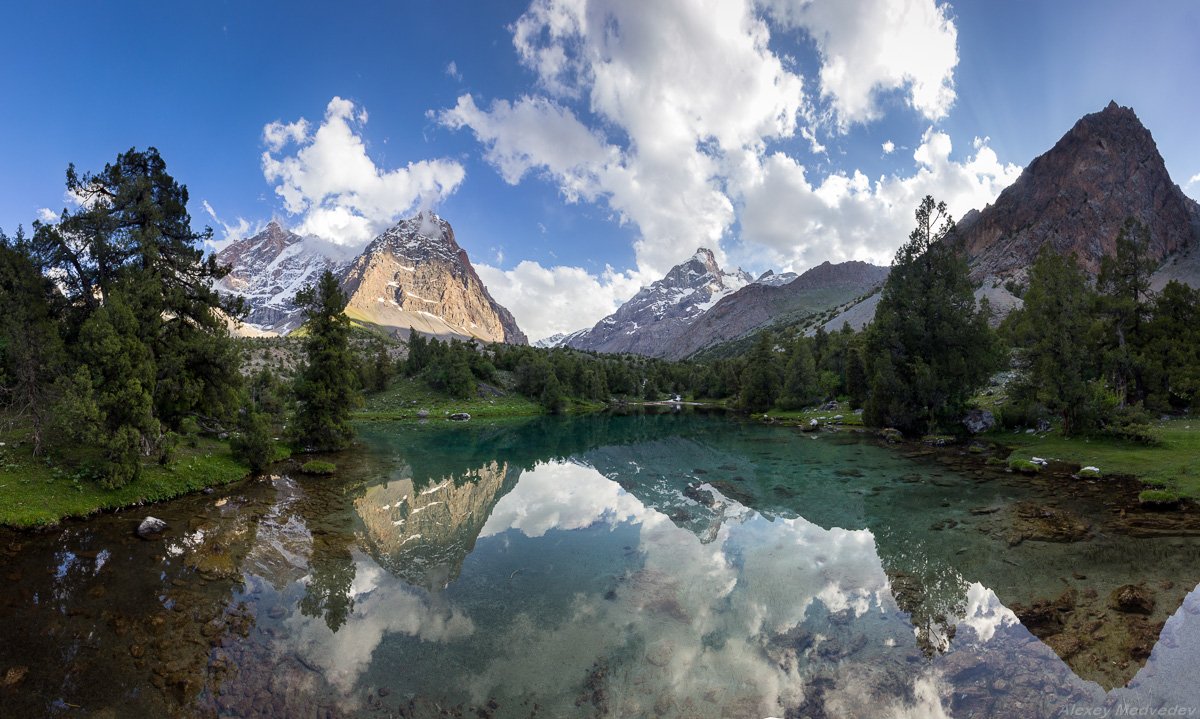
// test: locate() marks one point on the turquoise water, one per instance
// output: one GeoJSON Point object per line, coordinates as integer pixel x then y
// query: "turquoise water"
{"type": "Point", "coordinates": [649, 565]}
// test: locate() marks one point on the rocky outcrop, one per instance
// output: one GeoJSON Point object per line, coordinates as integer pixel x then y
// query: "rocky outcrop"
{"type": "Point", "coordinates": [415, 277]}
{"type": "Point", "coordinates": [648, 322]}
{"type": "Point", "coordinates": [768, 301]}
{"type": "Point", "coordinates": [1076, 197]}
{"type": "Point", "coordinates": [268, 269]}
{"type": "Point", "coordinates": [412, 277]}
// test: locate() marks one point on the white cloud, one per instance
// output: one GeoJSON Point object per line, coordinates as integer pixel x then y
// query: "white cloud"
{"type": "Point", "coordinates": [452, 70]}
{"type": "Point", "coordinates": [792, 222]}
{"type": "Point", "coordinates": [45, 214]}
{"type": "Point", "coordinates": [889, 147]}
{"type": "Point", "coordinates": [337, 189]}
{"type": "Point", "coordinates": [666, 113]}
{"type": "Point", "coordinates": [550, 300]}
{"type": "Point", "coordinates": [876, 46]}
{"type": "Point", "coordinates": [230, 232]}
{"type": "Point", "coordinates": [1192, 187]}
{"type": "Point", "coordinates": [683, 88]}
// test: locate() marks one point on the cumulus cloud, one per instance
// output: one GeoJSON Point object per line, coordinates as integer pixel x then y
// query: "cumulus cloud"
{"type": "Point", "coordinates": [326, 177]}
{"type": "Point", "coordinates": [550, 300]}
{"type": "Point", "coordinates": [685, 89]}
{"type": "Point", "coordinates": [871, 47]}
{"type": "Point", "coordinates": [452, 70]}
{"type": "Point", "coordinates": [889, 147]}
{"type": "Point", "coordinates": [793, 222]}
{"type": "Point", "coordinates": [45, 214]}
{"type": "Point", "coordinates": [673, 115]}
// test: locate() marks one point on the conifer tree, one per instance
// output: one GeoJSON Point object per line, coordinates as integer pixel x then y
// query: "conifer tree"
{"type": "Point", "coordinates": [326, 390]}
{"type": "Point", "coordinates": [31, 347]}
{"type": "Point", "coordinates": [1124, 286]}
{"type": "Point", "coordinates": [760, 381]}
{"type": "Point", "coordinates": [800, 387]}
{"type": "Point", "coordinates": [929, 346]}
{"type": "Point", "coordinates": [1053, 330]}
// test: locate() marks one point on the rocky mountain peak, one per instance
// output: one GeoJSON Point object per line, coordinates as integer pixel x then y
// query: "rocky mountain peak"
{"type": "Point", "coordinates": [268, 268]}
{"type": "Point", "coordinates": [1076, 197]}
{"type": "Point", "coordinates": [414, 276]}
{"type": "Point", "coordinates": [656, 313]}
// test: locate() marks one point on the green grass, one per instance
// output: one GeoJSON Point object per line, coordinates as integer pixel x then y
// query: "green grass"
{"type": "Point", "coordinates": [1171, 463]}
{"type": "Point", "coordinates": [1158, 497]}
{"type": "Point", "coordinates": [317, 466]}
{"type": "Point", "coordinates": [406, 397]}
{"type": "Point", "coordinates": [33, 493]}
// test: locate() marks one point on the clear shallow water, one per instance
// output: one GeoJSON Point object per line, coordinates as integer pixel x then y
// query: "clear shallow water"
{"type": "Point", "coordinates": [655, 565]}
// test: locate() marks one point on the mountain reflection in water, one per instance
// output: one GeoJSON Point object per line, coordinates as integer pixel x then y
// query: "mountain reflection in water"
{"type": "Point", "coordinates": [665, 565]}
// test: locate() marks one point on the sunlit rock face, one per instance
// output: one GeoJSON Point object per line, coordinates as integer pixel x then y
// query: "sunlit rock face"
{"type": "Point", "coordinates": [414, 276]}
{"type": "Point", "coordinates": [422, 532]}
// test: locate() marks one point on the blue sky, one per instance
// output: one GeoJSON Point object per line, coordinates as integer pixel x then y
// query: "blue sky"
{"type": "Point", "coordinates": [582, 147]}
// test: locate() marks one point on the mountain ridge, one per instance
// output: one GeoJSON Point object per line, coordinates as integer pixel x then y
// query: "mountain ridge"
{"type": "Point", "coordinates": [412, 276]}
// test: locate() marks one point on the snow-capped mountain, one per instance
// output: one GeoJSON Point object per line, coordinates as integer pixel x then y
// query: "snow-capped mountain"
{"type": "Point", "coordinates": [656, 314]}
{"type": "Point", "coordinates": [414, 276]}
{"type": "Point", "coordinates": [771, 279]}
{"type": "Point", "coordinates": [269, 268]}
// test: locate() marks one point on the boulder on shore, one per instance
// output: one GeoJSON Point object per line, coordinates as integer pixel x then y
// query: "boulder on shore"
{"type": "Point", "coordinates": [460, 416]}
{"type": "Point", "coordinates": [151, 528]}
{"type": "Point", "coordinates": [978, 421]}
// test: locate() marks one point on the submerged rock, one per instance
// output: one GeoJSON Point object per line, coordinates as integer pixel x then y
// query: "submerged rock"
{"type": "Point", "coordinates": [1041, 523]}
{"type": "Point", "coordinates": [891, 434]}
{"type": "Point", "coordinates": [151, 528]}
{"type": "Point", "coordinates": [1132, 599]}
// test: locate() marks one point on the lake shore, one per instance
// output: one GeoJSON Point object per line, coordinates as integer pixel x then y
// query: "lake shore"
{"type": "Point", "coordinates": [35, 493]}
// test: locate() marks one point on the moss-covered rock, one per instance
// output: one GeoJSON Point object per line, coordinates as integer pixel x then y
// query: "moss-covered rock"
{"type": "Point", "coordinates": [1158, 498]}
{"type": "Point", "coordinates": [1024, 466]}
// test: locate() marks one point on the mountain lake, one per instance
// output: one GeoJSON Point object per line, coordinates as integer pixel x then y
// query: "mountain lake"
{"type": "Point", "coordinates": [655, 564]}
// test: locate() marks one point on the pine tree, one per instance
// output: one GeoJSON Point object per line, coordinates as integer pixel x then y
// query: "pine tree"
{"type": "Point", "coordinates": [1053, 330]}
{"type": "Point", "coordinates": [1172, 340]}
{"type": "Point", "coordinates": [553, 397]}
{"type": "Point", "coordinates": [760, 381]}
{"type": "Point", "coordinates": [326, 389]}
{"type": "Point", "coordinates": [132, 234]}
{"type": "Point", "coordinates": [109, 402]}
{"type": "Point", "coordinates": [800, 387]}
{"type": "Point", "coordinates": [31, 346]}
{"type": "Point", "coordinates": [1124, 285]}
{"type": "Point", "coordinates": [929, 346]}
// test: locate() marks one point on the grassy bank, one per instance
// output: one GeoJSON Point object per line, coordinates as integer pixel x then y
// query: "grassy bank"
{"type": "Point", "coordinates": [406, 398]}
{"type": "Point", "coordinates": [1174, 462]}
{"type": "Point", "coordinates": [34, 493]}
